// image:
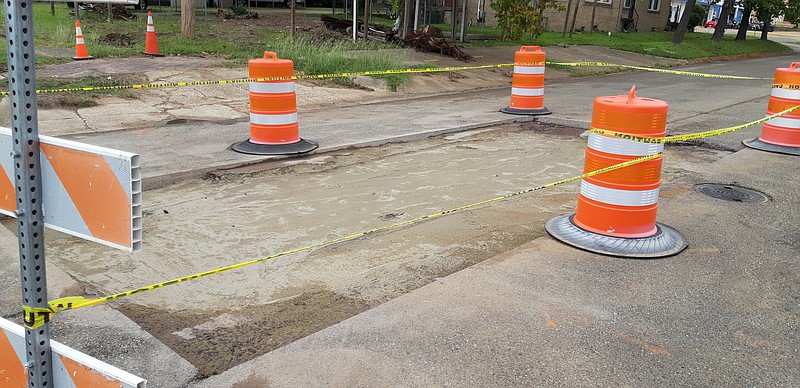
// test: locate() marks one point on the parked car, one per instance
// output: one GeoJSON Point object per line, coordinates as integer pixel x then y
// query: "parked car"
{"type": "Point", "coordinates": [758, 26]}
{"type": "Point", "coordinates": [710, 24]}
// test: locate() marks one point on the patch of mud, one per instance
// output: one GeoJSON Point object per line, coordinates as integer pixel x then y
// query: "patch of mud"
{"type": "Point", "coordinates": [221, 339]}
{"type": "Point", "coordinates": [118, 40]}
{"type": "Point", "coordinates": [84, 99]}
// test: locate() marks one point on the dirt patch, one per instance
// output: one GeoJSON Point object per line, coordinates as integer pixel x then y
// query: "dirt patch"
{"type": "Point", "coordinates": [119, 40]}
{"type": "Point", "coordinates": [84, 99]}
{"type": "Point", "coordinates": [214, 341]}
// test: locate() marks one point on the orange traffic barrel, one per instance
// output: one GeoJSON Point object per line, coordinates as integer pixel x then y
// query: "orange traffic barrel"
{"type": "Point", "coordinates": [782, 134]}
{"type": "Point", "coordinates": [527, 83]}
{"type": "Point", "coordinates": [273, 110]}
{"type": "Point", "coordinates": [616, 213]}
{"type": "Point", "coordinates": [80, 45]}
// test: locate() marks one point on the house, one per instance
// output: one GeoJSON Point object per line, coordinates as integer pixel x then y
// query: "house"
{"type": "Point", "coordinates": [612, 15]}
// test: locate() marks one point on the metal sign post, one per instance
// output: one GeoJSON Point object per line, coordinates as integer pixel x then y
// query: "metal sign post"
{"type": "Point", "coordinates": [25, 135]}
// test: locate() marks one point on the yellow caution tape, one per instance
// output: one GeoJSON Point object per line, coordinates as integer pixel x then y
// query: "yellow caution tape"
{"type": "Point", "coordinates": [667, 71]}
{"type": "Point", "coordinates": [689, 136]}
{"type": "Point", "coordinates": [37, 316]}
{"type": "Point", "coordinates": [381, 72]}
{"type": "Point", "coordinates": [268, 79]}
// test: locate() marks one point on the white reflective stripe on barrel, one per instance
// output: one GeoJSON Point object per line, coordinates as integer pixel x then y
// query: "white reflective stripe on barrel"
{"type": "Point", "coordinates": [527, 91]}
{"type": "Point", "coordinates": [786, 93]}
{"type": "Point", "coordinates": [271, 87]}
{"type": "Point", "coordinates": [79, 40]}
{"type": "Point", "coordinates": [290, 118]}
{"type": "Point", "coordinates": [529, 69]}
{"type": "Point", "coordinates": [619, 146]}
{"type": "Point", "coordinates": [150, 28]}
{"type": "Point", "coordinates": [618, 197]}
{"type": "Point", "coordinates": [785, 122]}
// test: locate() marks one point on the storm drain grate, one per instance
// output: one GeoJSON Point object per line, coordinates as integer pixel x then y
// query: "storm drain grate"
{"type": "Point", "coordinates": [731, 193]}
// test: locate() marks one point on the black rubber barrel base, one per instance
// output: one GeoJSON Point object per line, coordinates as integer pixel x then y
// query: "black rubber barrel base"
{"type": "Point", "coordinates": [299, 147]}
{"type": "Point", "coordinates": [665, 242]}
{"type": "Point", "coordinates": [526, 112]}
{"type": "Point", "coordinates": [757, 144]}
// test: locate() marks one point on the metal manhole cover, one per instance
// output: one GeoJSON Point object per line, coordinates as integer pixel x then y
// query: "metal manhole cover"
{"type": "Point", "coordinates": [731, 193]}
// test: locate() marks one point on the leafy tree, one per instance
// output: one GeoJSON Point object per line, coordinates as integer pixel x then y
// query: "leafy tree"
{"type": "Point", "coordinates": [517, 17]}
{"type": "Point", "coordinates": [792, 12]}
{"type": "Point", "coordinates": [765, 11]}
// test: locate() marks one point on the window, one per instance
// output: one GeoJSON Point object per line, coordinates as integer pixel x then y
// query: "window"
{"type": "Point", "coordinates": [654, 5]}
{"type": "Point", "coordinates": [599, 1]}
{"type": "Point", "coordinates": [627, 4]}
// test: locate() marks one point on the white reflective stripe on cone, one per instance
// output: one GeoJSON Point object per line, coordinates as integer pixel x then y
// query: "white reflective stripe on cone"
{"type": "Point", "coordinates": [78, 31]}
{"type": "Point", "coordinates": [786, 93]}
{"type": "Point", "coordinates": [785, 122]}
{"type": "Point", "coordinates": [290, 118]}
{"type": "Point", "coordinates": [150, 20]}
{"type": "Point", "coordinates": [150, 28]}
{"type": "Point", "coordinates": [529, 69]}
{"type": "Point", "coordinates": [79, 41]}
{"type": "Point", "coordinates": [527, 91]}
{"type": "Point", "coordinates": [618, 146]}
{"type": "Point", "coordinates": [271, 87]}
{"type": "Point", "coordinates": [618, 197]}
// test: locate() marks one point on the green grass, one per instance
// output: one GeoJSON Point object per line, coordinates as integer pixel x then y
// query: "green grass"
{"type": "Point", "coordinates": [695, 44]}
{"type": "Point", "coordinates": [235, 42]}
{"type": "Point", "coordinates": [239, 41]}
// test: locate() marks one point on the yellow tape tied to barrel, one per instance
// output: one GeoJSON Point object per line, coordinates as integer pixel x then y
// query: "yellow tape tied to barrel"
{"type": "Point", "coordinates": [690, 136]}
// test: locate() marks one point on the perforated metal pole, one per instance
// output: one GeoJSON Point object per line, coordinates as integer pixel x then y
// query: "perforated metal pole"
{"type": "Point", "coordinates": [27, 171]}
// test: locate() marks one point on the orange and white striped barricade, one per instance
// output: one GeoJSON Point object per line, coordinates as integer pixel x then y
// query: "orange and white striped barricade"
{"type": "Point", "coordinates": [91, 192]}
{"type": "Point", "coordinates": [150, 43]}
{"type": "Point", "coordinates": [782, 134]}
{"type": "Point", "coordinates": [80, 45]}
{"type": "Point", "coordinates": [616, 212]}
{"type": "Point", "coordinates": [527, 83]}
{"type": "Point", "coordinates": [71, 368]}
{"type": "Point", "coordinates": [273, 110]}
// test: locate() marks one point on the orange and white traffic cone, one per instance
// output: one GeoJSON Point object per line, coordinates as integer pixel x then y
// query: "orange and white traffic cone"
{"type": "Point", "coordinates": [527, 83]}
{"type": "Point", "coordinates": [150, 43]}
{"type": "Point", "coordinates": [782, 134]}
{"type": "Point", "coordinates": [80, 45]}
{"type": "Point", "coordinates": [273, 110]}
{"type": "Point", "coordinates": [616, 212]}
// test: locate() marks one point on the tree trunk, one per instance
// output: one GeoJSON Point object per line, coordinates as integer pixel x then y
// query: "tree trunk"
{"type": "Point", "coordinates": [677, 37]}
{"type": "Point", "coordinates": [594, 10]}
{"type": "Point", "coordinates": [367, 12]}
{"type": "Point", "coordinates": [293, 24]}
{"type": "Point", "coordinates": [406, 16]}
{"type": "Point", "coordinates": [566, 19]}
{"type": "Point", "coordinates": [722, 21]}
{"type": "Point", "coordinates": [574, 16]}
{"type": "Point", "coordinates": [187, 19]}
{"type": "Point", "coordinates": [741, 35]}
{"type": "Point", "coordinates": [765, 30]}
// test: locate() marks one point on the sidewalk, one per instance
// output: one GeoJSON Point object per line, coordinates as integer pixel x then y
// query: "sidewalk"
{"type": "Point", "coordinates": [191, 149]}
